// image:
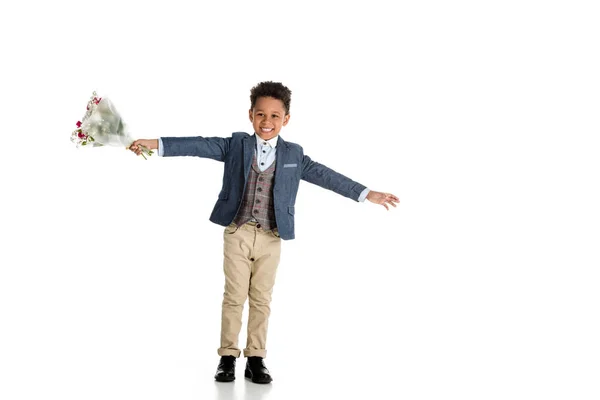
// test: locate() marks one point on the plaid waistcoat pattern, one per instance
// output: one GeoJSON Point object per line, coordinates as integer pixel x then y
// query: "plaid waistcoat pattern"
{"type": "Point", "coordinates": [257, 202]}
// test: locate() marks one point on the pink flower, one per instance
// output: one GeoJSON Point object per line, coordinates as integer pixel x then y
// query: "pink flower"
{"type": "Point", "coordinates": [81, 135]}
{"type": "Point", "coordinates": [79, 124]}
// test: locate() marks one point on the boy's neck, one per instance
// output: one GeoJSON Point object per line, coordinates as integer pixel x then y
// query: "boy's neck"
{"type": "Point", "coordinates": [257, 134]}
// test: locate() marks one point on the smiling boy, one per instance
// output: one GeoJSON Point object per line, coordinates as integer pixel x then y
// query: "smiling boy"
{"type": "Point", "coordinates": [257, 205]}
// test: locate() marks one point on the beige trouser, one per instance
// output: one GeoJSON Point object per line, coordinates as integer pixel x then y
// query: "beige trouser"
{"type": "Point", "coordinates": [251, 256]}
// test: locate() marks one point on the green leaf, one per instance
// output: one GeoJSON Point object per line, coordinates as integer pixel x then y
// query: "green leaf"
{"type": "Point", "coordinates": [83, 143]}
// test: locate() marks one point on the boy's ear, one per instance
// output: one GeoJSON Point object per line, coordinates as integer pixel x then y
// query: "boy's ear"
{"type": "Point", "coordinates": [250, 114]}
{"type": "Point", "coordinates": [286, 119]}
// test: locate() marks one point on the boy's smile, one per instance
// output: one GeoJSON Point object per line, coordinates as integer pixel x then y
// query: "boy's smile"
{"type": "Point", "coordinates": [268, 117]}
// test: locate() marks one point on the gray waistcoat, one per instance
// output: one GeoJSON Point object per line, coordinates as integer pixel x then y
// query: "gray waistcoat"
{"type": "Point", "coordinates": [258, 197]}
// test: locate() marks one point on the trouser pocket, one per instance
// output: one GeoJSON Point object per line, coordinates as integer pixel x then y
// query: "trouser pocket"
{"type": "Point", "coordinates": [231, 228]}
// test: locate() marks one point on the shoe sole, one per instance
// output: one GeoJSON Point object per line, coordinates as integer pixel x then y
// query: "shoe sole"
{"type": "Point", "coordinates": [219, 379]}
{"type": "Point", "coordinates": [248, 375]}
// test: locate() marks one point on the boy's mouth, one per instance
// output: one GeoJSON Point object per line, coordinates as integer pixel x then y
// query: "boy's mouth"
{"type": "Point", "coordinates": [266, 130]}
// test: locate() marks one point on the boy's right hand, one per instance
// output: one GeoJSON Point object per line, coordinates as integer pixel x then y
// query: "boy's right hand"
{"type": "Point", "coordinates": [151, 144]}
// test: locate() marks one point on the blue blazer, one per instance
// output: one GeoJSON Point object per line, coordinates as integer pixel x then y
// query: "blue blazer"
{"type": "Point", "coordinates": [291, 166]}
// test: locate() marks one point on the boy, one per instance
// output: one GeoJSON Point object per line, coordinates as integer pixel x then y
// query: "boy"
{"type": "Point", "coordinates": [256, 205]}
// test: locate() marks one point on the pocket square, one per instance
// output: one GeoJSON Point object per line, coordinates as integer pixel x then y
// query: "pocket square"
{"type": "Point", "coordinates": [289, 165]}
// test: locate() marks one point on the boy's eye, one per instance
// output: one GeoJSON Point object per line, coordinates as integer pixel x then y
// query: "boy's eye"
{"type": "Point", "coordinates": [274, 116]}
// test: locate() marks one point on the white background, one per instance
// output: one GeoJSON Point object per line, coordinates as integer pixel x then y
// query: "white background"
{"type": "Point", "coordinates": [481, 116]}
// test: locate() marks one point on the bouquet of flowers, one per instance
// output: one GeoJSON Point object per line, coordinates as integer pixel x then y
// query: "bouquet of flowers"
{"type": "Point", "coordinates": [102, 125]}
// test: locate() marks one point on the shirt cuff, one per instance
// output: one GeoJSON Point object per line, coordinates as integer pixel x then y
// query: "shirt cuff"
{"type": "Point", "coordinates": [363, 195]}
{"type": "Point", "coordinates": [160, 147]}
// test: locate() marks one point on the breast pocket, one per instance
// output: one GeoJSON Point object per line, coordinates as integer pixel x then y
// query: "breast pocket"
{"type": "Point", "coordinates": [290, 170]}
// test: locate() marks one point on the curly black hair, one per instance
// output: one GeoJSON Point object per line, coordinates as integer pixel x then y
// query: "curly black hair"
{"type": "Point", "coordinates": [271, 89]}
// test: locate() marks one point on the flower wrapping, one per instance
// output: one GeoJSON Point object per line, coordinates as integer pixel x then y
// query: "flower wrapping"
{"type": "Point", "coordinates": [102, 125]}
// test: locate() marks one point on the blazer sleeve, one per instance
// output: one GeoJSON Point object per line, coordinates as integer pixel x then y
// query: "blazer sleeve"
{"type": "Point", "coordinates": [327, 178]}
{"type": "Point", "coordinates": [196, 146]}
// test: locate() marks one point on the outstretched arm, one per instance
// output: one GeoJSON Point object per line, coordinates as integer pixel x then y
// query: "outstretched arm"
{"type": "Point", "coordinates": [198, 146]}
{"type": "Point", "coordinates": [327, 178]}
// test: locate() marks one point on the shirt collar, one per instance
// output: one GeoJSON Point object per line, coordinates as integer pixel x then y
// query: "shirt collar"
{"type": "Point", "coordinates": [271, 142]}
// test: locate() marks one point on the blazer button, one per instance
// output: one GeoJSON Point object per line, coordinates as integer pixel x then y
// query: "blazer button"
{"type": "Point", "coordinates": [252, 259]}
{"type": "Point", "coordinates": [259, 189]}
{"type": "Point", "coordinates": [258, 226]}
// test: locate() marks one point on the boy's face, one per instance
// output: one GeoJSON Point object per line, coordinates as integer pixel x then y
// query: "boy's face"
{"type": "Point", "coordinates": [268, 117]}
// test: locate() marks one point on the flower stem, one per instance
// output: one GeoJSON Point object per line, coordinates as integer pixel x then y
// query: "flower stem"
{"type": "Point", "coordinates": [145, 151]}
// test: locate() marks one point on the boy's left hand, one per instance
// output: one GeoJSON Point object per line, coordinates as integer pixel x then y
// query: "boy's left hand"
{"type": "Point", "coordinates": [382, 198]}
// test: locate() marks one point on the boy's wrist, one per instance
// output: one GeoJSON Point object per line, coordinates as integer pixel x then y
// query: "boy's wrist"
{"type": "Point", "coordinates": [152, 144]}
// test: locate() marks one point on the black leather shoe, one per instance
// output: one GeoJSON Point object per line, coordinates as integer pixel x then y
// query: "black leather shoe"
{"type": "Point", "coordinates": [226, 369]}
{"type": "Point", "coordinates": [257, 371]}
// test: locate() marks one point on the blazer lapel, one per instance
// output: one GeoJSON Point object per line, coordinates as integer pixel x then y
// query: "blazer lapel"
{"type": "Point", "coordinates": [249, 146]}
{"type": "Point", "coordinates": [280, 157]}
